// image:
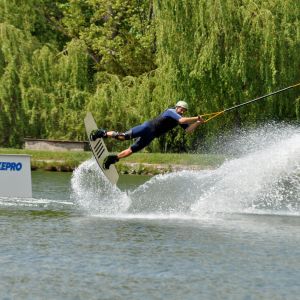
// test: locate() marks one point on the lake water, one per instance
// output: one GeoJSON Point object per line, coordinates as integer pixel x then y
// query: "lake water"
{"type": "Point", "coordinates": [229, 233]}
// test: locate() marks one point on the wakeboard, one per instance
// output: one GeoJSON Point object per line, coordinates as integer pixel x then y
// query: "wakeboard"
{"type": "Point", "coordinates": [99, 150]}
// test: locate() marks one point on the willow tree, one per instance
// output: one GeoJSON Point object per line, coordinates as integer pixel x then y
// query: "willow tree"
{"type": "Point", "coordinates": [220, 53]}
{"type": "Point", "coordinates": [117, 34]}
{"type": "Point", "coordinates": [14, 52]}
{"type": "Point", "coordinates": [58, 91]}
{"type": "Point", "coordinates": [33, 18]}
{"type": "Point", "coordinates": [20, 28]}
{"type": "Point", "coordinates": [42, 91]}
{"type": "Point", "coordinates": [215, 54]}
{"type": "Point", "coordinates": [128, 60]}
{"type": "Point", "coordinates": [120, 40]}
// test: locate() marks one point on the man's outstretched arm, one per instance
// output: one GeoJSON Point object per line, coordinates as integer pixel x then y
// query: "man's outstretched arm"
{"type": "Point", "coordinates": [194, 125]}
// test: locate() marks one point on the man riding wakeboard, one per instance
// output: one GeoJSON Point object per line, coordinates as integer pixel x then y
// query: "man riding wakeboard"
{"type": "Point", "coordinates": [146, 132]}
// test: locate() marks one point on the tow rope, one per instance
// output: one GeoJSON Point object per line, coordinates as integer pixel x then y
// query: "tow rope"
{"type": "Point", "coordinates": [211, 116]}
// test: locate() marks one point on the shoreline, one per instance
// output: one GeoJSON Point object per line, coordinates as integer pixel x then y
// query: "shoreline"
{"type": "Point", "coordinates": [125, 168]}
{"type": "Point", "coordinates": [142, 163]}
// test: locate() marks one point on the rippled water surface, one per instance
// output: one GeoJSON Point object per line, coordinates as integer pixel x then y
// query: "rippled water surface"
{"type": "Point", "coordinates": [229, 233]}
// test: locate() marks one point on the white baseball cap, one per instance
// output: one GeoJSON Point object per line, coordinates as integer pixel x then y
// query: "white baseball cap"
{"type": "Point", "coordinates": [182, 104]}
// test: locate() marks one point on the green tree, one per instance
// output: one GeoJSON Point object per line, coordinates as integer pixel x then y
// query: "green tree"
{"type": "Point", "coordinates": [218, 54]}
{"type": "Point", "coordinates": [126, 61]}
{"type": "Point", "coordinates": [118, 34]}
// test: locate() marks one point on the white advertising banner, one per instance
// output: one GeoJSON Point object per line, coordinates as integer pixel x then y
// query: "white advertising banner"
{"type": "Point", "coordinates": [15, 176]}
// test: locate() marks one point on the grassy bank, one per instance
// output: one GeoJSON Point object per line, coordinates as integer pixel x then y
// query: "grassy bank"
{"type": "Point", "coordinates": [139, 163]}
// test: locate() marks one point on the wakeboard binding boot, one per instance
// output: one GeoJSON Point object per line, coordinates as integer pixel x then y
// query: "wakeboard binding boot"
{"type": "Point", "coordinates": [97, 134]}
{"type": "Point", "coordinates": [110, 159]}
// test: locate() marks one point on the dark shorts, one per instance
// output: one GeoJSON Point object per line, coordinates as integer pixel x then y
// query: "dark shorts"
{"type": "Point", "coordinates": [144, 134]}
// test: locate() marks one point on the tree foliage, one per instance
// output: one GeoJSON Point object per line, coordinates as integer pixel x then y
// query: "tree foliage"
{"type": "Point", "coordinates": [126, 61]}
{"type": "Point", "coordinates": [231, 51]}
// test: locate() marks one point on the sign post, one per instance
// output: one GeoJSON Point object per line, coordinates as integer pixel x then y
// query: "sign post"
{"type": "Point", "coordinates": [15, 176]}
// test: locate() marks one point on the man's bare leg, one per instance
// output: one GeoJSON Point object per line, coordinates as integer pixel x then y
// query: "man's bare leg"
{"type": "Point", "coordinates": [116, 135]}
{"type": "Point", "coordinates": [125, 153]}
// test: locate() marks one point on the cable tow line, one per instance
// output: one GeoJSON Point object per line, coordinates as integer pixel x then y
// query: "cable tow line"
{"type": "Point", "coordinates": [218, 113]}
